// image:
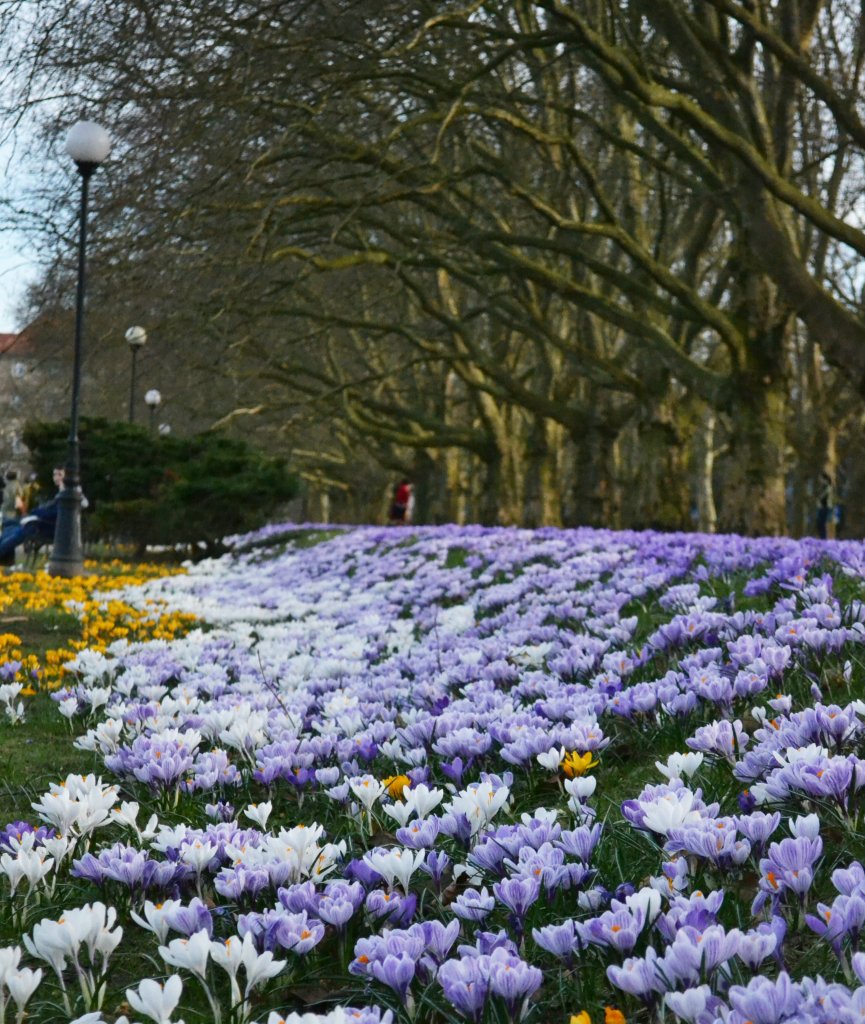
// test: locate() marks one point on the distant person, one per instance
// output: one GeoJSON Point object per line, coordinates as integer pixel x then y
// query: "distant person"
{"type": "Point", "coordinates": [38, 525]}
{"type": "Point", "coordinates": [825, 504]}
{"type": "Point", "coordinates": [399, 507]}
{"type": "Point", "coordinates": [11, 504]}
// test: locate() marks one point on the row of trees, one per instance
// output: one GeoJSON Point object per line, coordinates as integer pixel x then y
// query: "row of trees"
{"type": "Point", "coordinates": [562, 260]}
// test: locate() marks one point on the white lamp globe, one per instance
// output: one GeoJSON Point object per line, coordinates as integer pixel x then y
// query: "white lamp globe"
{"type": "Point", "coordinates": [136, 337]}
{"type": "Point", "coordinates": [88, 143]}
{"type": "Point", "coordinates": [153, 397]}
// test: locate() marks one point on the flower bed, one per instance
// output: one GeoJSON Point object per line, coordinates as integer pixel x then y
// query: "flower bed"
{"type": "Point", "coordinates": [471, 774]}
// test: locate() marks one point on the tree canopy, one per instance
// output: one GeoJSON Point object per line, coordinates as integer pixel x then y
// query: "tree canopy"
{"type": "Point", "coordinates": [557, 261]}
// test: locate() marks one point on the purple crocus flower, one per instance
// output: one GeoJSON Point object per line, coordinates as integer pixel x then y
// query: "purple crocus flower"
{"type": "Point", "coordinates": [764, 1001]}
{"type": "Point", "coordinates": [435, 865]}
{"type": "Point", "coordinates": [191, 919]}
{"type": "Point", "coordinates": [465, 984]}
{"type": "Point", "coordinates": [513, 980]}
{"type": "Point", "coordinates": [395, 971]}
{"type": "Point", "coordinates": [472, 905]}
{"type": "Point", "coordinates": [562, 940]}
{"type": "Point", "coordinates": [518, 894]}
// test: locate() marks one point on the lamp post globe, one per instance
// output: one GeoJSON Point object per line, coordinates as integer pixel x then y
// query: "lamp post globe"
{"type": "Point", "coordinates": [153, 399]}
{"type": "Point", "coordinates": [136, 338]}
{"type": "Point", "coordinates": [89, 145]}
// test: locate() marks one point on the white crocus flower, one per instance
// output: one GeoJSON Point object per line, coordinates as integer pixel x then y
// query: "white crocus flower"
{"type": "Point", "coordinates": [395, 865]}
{"type": "Point", "coordinates": [57, 847]}
{"type": "Point", "coordinates": [22, 984]}
{"type": "Point", "coordinates": [551, 759]}
{"type": "Point", "coordinates": [807, 827]}
{"type": "Point", "coordinates": [480, 803]}
{"type": "Point", "coordinates": [155, 1000]}
{"type": "Point", "coordinates": [126, 814]}
{"type": "Point", "coordinates": [156, 917]}
{"type": "Point", "coordinates": [399, 811]}
{"type": "Point", "coordinates": [68, 707]}
{"type": "Point", "coordinates": [191, 953]}
{"type": "Point", "coordinates": [10, 957]}
{"type": "Point", "coordinates": [423, 800]}
{"type": "Point", "coordinates": [259, 967]}
{"type": "Point", "coordinates": [259, 813]}
{"type": "Point", "coordinates": [581, 787]}
{"type": "Point", "coordinates": [367, 789]}
{"type": "Point", "coordinates": [670, 811]}
{"type": "Point", "coordinates": [13, 869]}
{"type": "Point", "coordinates": [35, 866]}
{"type": "Point", "coordinates": [229, 956]}
{"type": "Point", "coordinates": [198, 855]}
{"type": "Point", "coordinates": [680, 766]}
{"type": "Point", "coordinates": [648, 901]}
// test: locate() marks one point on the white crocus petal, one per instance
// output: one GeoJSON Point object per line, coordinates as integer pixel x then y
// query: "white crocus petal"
{"type": "Point", "coordinates": [191, 953]}
{"type": "Point", "coordinates": [259, 813]}
{"type": "Point", "coordinates": [150, 829]}
{"type": "Point", "coordinates": [155, 1000]}
{"type": "Point", "coordinates": [22, 984]}
{"type": "Point", "coordinates": [10, 957]}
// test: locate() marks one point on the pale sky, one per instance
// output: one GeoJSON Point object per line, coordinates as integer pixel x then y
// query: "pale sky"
{"type": "Point", "coordinates": [17, 266]}
{"type": "Point", "coordinates": [16, 271]}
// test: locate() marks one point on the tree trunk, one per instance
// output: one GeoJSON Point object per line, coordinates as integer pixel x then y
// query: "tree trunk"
{"type": "Point", "coordinates": [754, 500]}
{"type": "Point", "coordinates": [704, 467]}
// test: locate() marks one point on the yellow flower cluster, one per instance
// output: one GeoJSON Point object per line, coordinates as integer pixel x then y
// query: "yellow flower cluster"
{"type": "Point", "coordinates": [101, 620]}
{"type": "Point", "coordinates": [611, 1016]}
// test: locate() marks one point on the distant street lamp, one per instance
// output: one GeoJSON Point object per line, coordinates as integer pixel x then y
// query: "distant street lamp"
{"type": "Point", "coordinates": [152, 400]}
{"type": "Point", "coordinates": [89, 145]}
{"type": "Point", "coordinates": [164, 429]}
{"type": "Point", "coordinates": [136, 338]}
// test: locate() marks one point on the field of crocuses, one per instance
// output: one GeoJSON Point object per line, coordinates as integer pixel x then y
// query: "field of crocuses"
{"type": "Point", "coordinates": [460, 774]}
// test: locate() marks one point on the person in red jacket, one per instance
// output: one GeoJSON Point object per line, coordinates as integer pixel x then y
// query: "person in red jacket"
{"type": "Point", "coordinates": [401, 502]}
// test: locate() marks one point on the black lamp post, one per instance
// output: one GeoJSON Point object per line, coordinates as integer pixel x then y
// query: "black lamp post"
{"type": "Point", "coordinates": [153, 399]}
{"type": "Point", "coordinates": [89, 145]}
{"type": "Point", "coordinates": [136, 338]}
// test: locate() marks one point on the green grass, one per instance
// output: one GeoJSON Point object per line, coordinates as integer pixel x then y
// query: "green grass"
{"type": "Point", "coordinates": [34, 754]}
{"type": "Point", "coordinates": [40, 750]}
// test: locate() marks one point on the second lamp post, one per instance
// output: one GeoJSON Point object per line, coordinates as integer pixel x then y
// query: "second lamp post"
{"type": "Point", "coordinates": [136, 338]}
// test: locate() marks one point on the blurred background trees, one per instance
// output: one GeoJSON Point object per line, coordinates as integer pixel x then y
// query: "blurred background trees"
{"type": "Point", "coordinates": [557, 262]}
